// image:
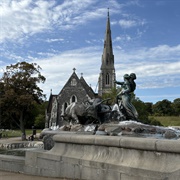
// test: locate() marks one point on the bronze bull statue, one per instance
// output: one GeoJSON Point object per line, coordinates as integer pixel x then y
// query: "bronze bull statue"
{"type": "Point", "coordinates": [85, 113]}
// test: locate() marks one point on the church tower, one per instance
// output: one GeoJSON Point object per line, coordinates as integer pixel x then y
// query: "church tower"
{"type": "Point", "coordinates": [107, 74]}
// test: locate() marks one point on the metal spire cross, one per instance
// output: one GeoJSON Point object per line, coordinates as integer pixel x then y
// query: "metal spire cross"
{"type": "Point", "coordinates": [74, 69]}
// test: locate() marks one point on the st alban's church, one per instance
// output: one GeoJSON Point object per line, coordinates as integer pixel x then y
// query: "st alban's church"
{"type": "Point", "coordinates": [77, 90]}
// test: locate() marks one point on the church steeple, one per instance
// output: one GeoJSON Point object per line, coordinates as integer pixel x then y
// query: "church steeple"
{"type": "Point", "coordinates": [107, 74]}
{"type": "Point", "coordinates": [107, 57]}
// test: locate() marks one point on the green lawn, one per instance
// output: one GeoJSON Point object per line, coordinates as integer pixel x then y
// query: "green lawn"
{"type": "Point", "coordinates": [17, 133]}
{"type": "Point", "coordinates": [168, 120]}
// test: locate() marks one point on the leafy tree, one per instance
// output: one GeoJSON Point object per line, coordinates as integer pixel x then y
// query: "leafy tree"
{"type": "Point", "coordinates": [40, 117]}
{"type": "Point", "coordinates": [149, 107]}
{"type": "Point", "coordinates": [162, 108]}
{"type": "Point", "coordinates": [141, 109]}
{"type": "Point", "coordinates": [20, 92]}
{"type": "Point", "coordinates": [176, 106]}
{"type": "Point", "coordinates": [40, 121]}
{"type": "Point", "coordinates": [112, 95]}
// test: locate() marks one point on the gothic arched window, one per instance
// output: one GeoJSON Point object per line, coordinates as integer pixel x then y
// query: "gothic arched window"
{"type": "Point", "coordinates": [73, 99]}
{"type": "Point", "coordinates": [107, 78]}
{"type": "Point", "coordinates": [65, 106]}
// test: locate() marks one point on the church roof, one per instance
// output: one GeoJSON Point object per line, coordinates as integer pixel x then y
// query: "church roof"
{"type": "Point", "coordinates": [80, 83]}
{"type": "Point", "coordinates": [51, 98]}
{"type": "Point", "coordinates": [73, 76]}
{"type": "Point", "coordinates": [88, 89]}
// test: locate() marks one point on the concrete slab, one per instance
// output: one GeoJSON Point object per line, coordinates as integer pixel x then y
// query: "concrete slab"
{"type": "Point", "coordinates": [17, 176]}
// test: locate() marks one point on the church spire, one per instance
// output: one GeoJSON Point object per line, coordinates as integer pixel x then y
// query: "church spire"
{"type": "Point", "coordinates": [107, 75]}
{"type": "Point", "coordinates": [107, 57]}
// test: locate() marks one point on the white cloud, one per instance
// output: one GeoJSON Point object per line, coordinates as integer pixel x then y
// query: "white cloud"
{"type": "Point", "coordinates": [58, 69]}
{"type": "Point", "coordinates": [161, 53]}
{"type": "Point", "coordinates": [131, 22]}
{"type": "Point", "coordinates": [24, 18]}
{"type": "Point", "coordinates": [118, 38]}
{"type": "Point", "coordinates": [20, 18]}
{"type": "Point", "coordinates": [127, 23]}
{"type": "Point", "coordinates": [150, 73]}
{"type": "Point", "coordinates": [54, 40]}
{"type": "Point", "coordinates": [156, 67]}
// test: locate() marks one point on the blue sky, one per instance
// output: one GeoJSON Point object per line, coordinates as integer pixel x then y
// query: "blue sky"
{"type": "Point", "coordinates": [59, 35]}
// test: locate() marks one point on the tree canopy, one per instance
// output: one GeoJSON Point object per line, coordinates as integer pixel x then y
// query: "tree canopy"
{"type": "Point", "coordinates": [176, 106]}
{"type": "Point", "coordinates": [20, 91]}
{"type": "Point", "coordinates": [163, 107]}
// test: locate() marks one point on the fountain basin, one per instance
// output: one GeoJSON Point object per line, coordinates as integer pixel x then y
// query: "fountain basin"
{"type": "Point", "coordinates": [94, 157]}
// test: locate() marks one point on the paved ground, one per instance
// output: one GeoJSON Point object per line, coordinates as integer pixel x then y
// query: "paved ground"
{"type": "Point", "coordinates": [17, 139]}
{"type": "Point", "coordinates": [17, 176]}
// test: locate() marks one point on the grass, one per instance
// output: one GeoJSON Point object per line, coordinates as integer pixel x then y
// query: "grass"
{"type": "Point", "coordinates": [16, 133]}
{"type": "Point", "coordinates": [167, 120]}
